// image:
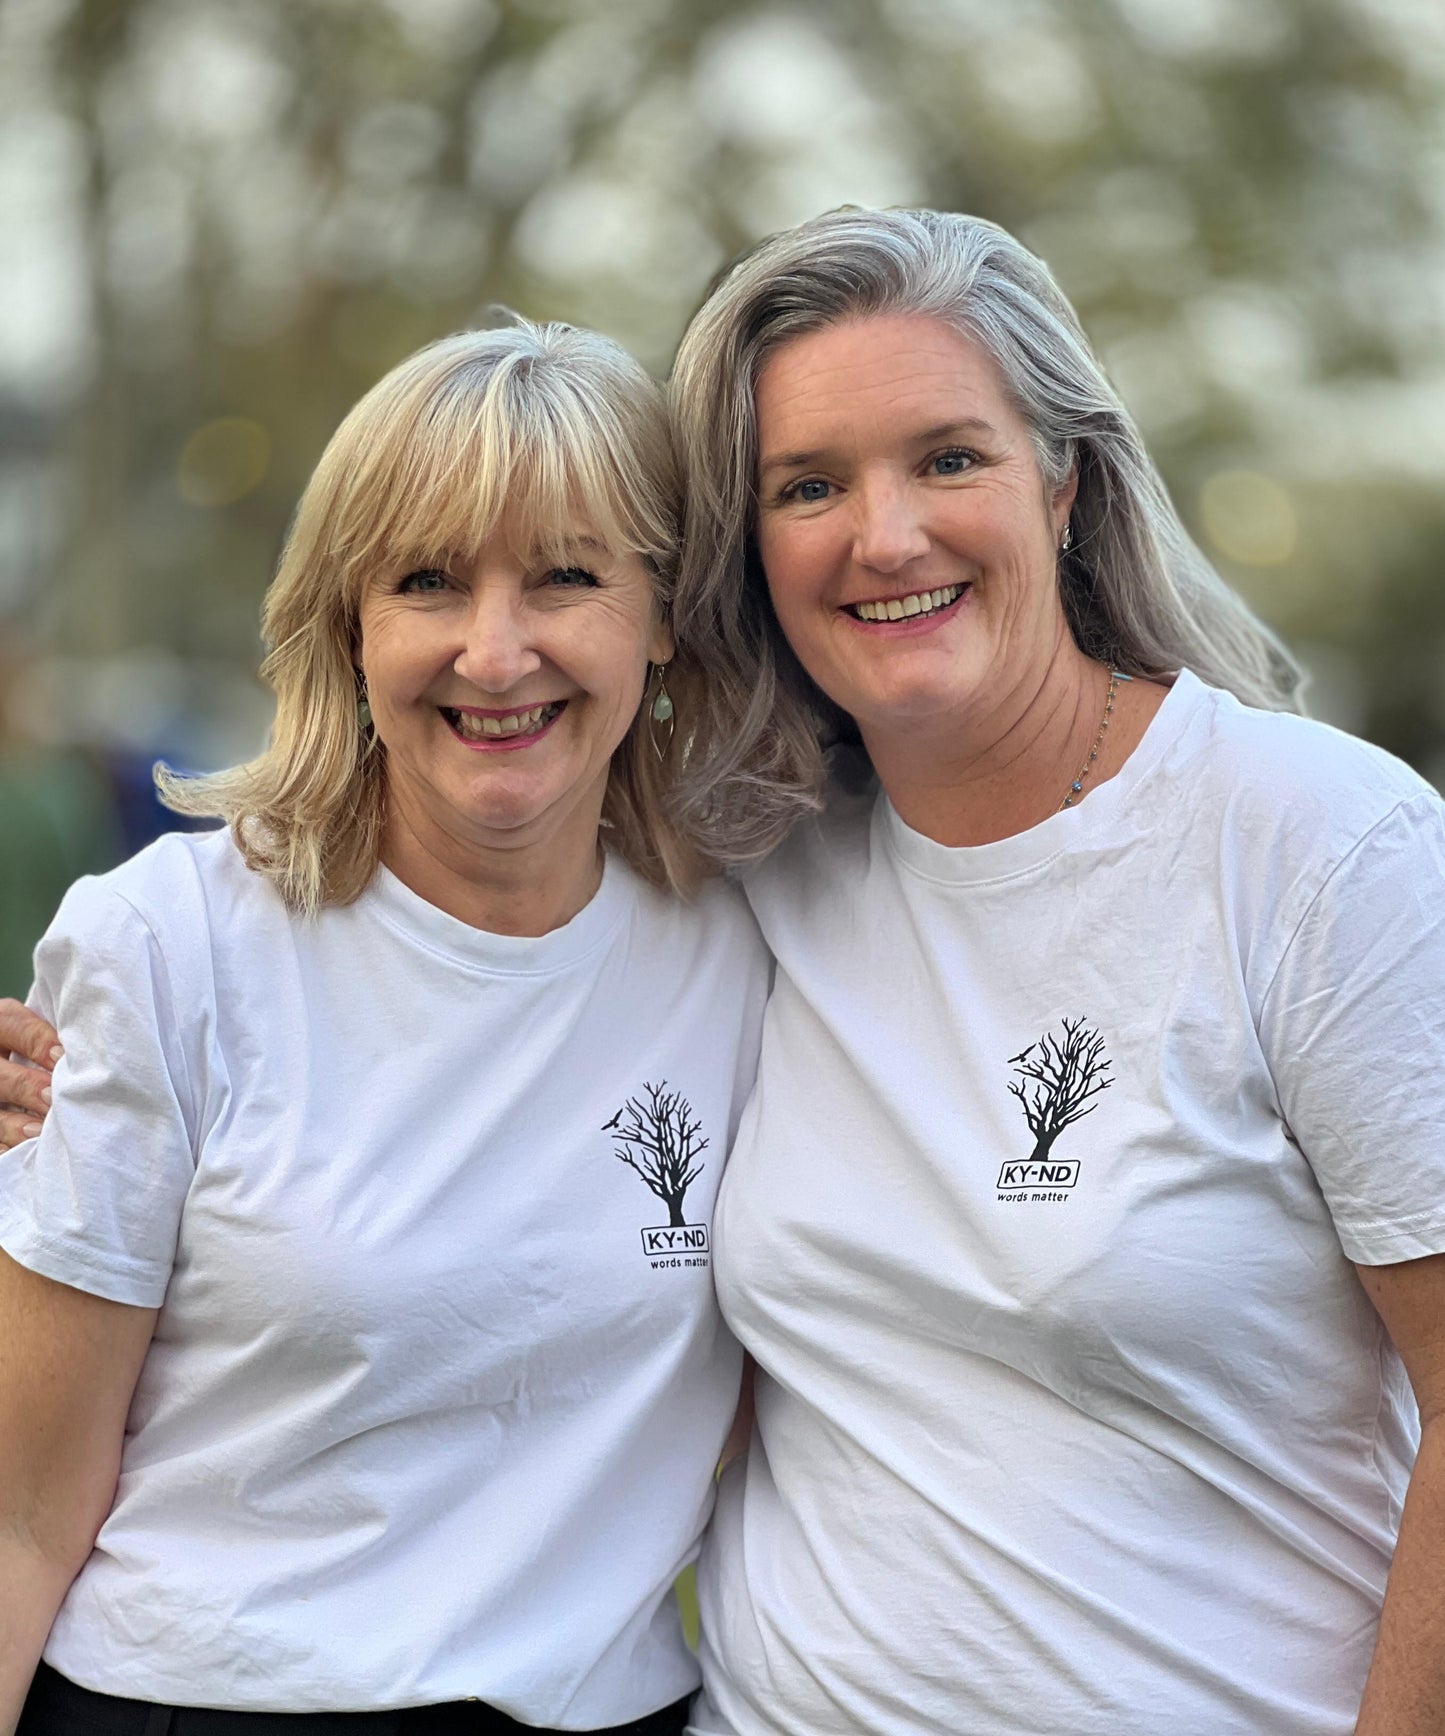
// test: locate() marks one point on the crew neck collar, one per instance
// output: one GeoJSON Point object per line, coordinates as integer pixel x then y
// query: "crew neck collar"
{"type": "Point", "coordinates": [410, 915]}
{"type": "Point", "coordinates": [1071, 828]}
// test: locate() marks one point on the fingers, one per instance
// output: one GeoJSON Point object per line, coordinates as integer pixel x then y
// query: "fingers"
{"type": "Point", "coordinates": [24, 1088]}
{"type": "Point", "coordinates": [25, 1081]}
{"type": "Point", "coordinates": [25, 1033]}
{"type": "Point", "coordinates": [15, 1125]}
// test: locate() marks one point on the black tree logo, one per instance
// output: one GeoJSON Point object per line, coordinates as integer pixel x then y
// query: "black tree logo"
{"type": "Point", "coordinates": [1057, 1078]}
{"type": "Point", "coordinates": [656, 1135]}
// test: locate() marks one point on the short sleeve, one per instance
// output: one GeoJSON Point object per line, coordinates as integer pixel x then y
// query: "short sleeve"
{"type": "Point", "coordinates": [95, 1201]}
{"type": "Point", "coordinates": [1353, 1028]}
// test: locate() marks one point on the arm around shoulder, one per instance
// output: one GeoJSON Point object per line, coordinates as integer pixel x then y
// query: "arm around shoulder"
{"type": "Point", "coordinates": [25, 1079]}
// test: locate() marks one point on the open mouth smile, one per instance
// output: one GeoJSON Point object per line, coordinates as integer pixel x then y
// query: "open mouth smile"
{"type": "Point", "coordinates": [916, 606]}
{"type": "Point", "coordinates": [497, 729]}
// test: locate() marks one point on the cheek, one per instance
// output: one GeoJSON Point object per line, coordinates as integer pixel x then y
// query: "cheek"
{"type": "Point", "coordinates": [394, 687]}
{"type": "Point", "coordinates": [789, 558]}
{"type": "Point", "coordinates": [609, 661]}
{"type": "Point", "coordinates": [620, 687]}
{"type": "Point", "coordinates": [397, 652]}
{"type": "Point", "coordinates": [1016, 529]}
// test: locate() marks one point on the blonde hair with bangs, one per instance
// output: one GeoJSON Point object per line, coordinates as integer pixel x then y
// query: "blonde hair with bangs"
{"type": "Point", "coordinates": [556, 429]}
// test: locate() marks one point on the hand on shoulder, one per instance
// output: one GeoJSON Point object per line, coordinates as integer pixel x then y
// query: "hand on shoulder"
{"type": "Point", "coordinates": [32, 1048]}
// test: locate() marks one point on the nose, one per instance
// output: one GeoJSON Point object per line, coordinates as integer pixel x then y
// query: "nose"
{"type": "Point", "coordinates": [497, 649]}
{"type": "Point", "coordinates": [888, 530]}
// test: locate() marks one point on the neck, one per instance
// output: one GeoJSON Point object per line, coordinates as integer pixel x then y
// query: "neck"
{"type": "Point", "coordinates": [1007, 763]}
{"type": "Point", "coordinates": [520, 887]}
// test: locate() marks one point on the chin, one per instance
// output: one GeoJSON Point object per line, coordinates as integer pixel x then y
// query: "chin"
{"type": "Point", "coordinates": [908, 708]}
{"type": "Point", "coordinates": [503, 810]}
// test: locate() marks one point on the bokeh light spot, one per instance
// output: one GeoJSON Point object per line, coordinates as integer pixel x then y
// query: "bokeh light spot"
{"type": "Point", "coordinates": [1249, 518]}
{"type": "Point", "coordinates": [223, 461]}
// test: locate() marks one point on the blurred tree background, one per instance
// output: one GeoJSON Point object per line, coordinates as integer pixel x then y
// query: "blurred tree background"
{"type": "Point", "coordinates": [221, 220]}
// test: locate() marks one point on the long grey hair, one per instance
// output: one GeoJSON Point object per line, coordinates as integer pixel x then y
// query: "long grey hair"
{"type": "Point", "coordinates": [1137, 592]}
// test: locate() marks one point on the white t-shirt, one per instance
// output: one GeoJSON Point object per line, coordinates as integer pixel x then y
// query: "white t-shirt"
{"type": "Point", "coordinates": [438, 1382]}
{"type": "Point", "coordinates": [1076, 1420]}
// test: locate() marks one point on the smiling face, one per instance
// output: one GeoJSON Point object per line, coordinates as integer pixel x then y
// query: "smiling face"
{"type": "Point", "coordinates": [907, 534]}
{"type": "Point", "coordinates": [501, 685]}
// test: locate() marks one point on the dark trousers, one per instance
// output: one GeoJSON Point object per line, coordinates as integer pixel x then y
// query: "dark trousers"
{"type": "Point", "coordinates": [55, 1706]}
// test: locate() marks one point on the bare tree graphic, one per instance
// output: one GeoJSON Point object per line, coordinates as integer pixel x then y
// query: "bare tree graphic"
{"type": "Point", "coordinates": [1058, 1076]}
{"type": "Point", "coordinates": [656, 1135]}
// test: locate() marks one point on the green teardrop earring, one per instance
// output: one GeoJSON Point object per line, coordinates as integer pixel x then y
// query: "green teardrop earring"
{"type": "Point", "coordinates": [661, 721]}
{"type": "Point", "coordinates": [363, 709]}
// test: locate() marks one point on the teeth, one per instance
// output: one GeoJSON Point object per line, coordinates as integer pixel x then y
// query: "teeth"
{"type": "Point", "coordinates": [514, 723]}
{"type": "Point", "coordinates": [901, 608]}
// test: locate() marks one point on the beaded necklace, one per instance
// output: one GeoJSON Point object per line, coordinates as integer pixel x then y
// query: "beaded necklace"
{"type": "Point", "coordinates": [1075, 788]}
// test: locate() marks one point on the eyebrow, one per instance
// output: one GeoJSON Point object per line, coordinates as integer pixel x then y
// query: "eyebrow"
{"type": "Point", "coordinates": [924, 437]}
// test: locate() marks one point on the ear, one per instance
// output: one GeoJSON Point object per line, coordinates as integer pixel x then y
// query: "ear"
{"type": "Point", "coordinates": [1063, 502]}
{"type": "Point", "coordinates": [661, 647]}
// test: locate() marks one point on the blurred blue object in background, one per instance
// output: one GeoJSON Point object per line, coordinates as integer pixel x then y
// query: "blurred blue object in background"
{"type": "Point", "coordinates": [141, 817]}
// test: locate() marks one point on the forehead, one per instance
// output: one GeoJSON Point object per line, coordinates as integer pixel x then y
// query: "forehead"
{"type": "Point", "coordinates": [443, 505]}
{"type": "Point", "coordinates": [881, 371]}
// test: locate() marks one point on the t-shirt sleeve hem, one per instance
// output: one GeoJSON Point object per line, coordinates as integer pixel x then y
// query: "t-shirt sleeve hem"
{"type": "Point", "coordinates": [1389, 1244]}
{"type": "Point", "coordinates": [77, 1266]}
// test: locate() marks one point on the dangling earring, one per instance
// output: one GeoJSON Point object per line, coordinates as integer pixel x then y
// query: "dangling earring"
{"type": "Point", "coordinates": [363, 709]}
{"type": "Point", "coordinates": [1066, 541]}
{"type": "Point", "coordinates": [660, 719]}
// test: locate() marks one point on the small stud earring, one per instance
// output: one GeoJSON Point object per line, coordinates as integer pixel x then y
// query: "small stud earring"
{"type": "Point", "coordinates": [661, 721]}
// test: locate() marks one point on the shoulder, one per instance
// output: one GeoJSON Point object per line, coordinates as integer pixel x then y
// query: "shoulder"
{"type": "Point", "coordinates": [137, 937]}
{"type": "Point", "coordinates": [715, 920]}
{"type": "Point", "coordinates": [825, 847]}
{"type": "Point", "coordinates": [173, 902]}
{"type": "Point", "coordinates": [1302, 784]}
{"type": "Point", "coordinates": [165, 888]}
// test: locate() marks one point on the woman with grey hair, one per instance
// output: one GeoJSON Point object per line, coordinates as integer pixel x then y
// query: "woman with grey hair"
{"type": "Point", "coordinates": [1086, 1221]}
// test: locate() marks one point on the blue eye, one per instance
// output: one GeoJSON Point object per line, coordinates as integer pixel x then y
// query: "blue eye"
{"type": "Point", "coordinates": [571, 576]}
{"type": "Point", "coordinates": [952, 463]}
{"type": "Point", "coordinates": [427, 582]}
{"type": "Point", "coordinates": [810, 491]}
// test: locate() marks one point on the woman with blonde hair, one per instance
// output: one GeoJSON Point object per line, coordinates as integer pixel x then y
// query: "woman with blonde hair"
{"type": "Point", "coordinates": [359, 1359]}
{"type": "Point", "coordinates": [1086, 1221]}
